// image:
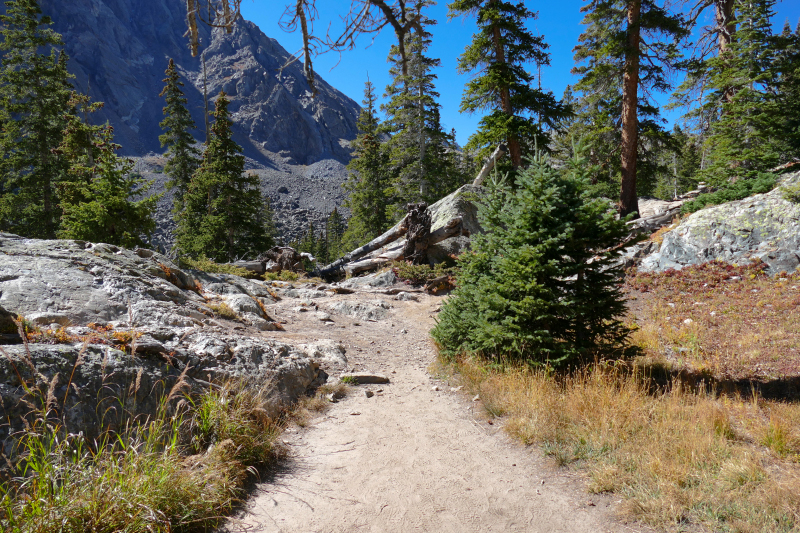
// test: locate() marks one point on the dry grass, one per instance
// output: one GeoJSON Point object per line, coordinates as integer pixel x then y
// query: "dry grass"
{"type": "Point", "coordinates": [223, 310]}
{"type": "Point", "coordinates": [678, 457]}
{"type": "Point", "coordinates": [181, 469]}
{"type": "Point", "coordinates": [733, 322]}
{"type": "Point", "coordinates": [685, 450]}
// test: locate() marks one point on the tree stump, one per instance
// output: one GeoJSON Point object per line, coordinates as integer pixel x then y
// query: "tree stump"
{"type": "Point", "coordinates": [418, 221]}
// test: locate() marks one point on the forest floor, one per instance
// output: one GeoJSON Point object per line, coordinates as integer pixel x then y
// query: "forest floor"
{"type": "Point", "coordinates": [419, 455]}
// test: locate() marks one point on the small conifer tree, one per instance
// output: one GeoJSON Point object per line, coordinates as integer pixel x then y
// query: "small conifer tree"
{"type": "Point", "coordinates": [183, 156]}
{"type": "Point", "coordinates": [540, 285]}
{"type": "Point", "coordinates": [97, 199]}
{"type": "Point", "coordinates": [225, 216]}
{"type": "Point", "coordinates": [34, 99]}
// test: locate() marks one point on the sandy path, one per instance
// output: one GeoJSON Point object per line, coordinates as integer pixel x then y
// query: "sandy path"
{"type": "Point", "coordinates": [410, 458]}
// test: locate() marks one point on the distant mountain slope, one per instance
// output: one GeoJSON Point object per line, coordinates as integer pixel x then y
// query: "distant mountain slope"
{"type": "Point", "coordinates": [119, 50]}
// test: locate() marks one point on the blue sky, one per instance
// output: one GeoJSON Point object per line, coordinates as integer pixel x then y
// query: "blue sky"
{"type": "Point", "coordinates": [559, 21]}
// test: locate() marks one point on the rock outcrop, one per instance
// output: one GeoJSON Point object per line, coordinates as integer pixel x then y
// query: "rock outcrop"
{"type": "Point", "coordinates": [136, 321]}
{"type": "Point", "coordinates": [764, 227]}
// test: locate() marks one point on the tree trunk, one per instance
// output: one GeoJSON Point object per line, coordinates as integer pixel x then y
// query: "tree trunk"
{"type": "Point", "coordinates": [514, 149]}
{"type": "Point", "coordinates": [726, 27]}
{"type": "Point", "coordinates": [630, 123]}
{"type": "Point", "coordinates": [419, 228]}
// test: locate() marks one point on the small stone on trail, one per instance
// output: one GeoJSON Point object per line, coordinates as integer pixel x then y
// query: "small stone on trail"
{"type": "Point", "coordinates": [379, 390]}
{"type": "Point", "coordinates": [490, 422]}
{"type": "Point", "coordinates": [688, 321]}
{"type": "Point", "coordinates": [456, 389]}
{"type": "Point", "coordinates": [403, 331]}
{"type": "Point", "coordinates": [435, 388]}
{"type": "Point", "coordinates": [590, 503]}
{"type": "Point", "coordinates": [476, 398]}
{"type": "Point", "coordinates": [365, 378]}
{"type": "Point", "coordinates": [324, 317]}
{"type": "Point", "coordinates": [369, 393]}
{"type": "Point", "coordinates": [355, 413]}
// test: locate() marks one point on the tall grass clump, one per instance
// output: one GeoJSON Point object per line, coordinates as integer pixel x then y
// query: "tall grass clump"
{"type": "Point", "coordinates": [678, 457]}
{"type": "Point", "coordinates": [541, 284]}
{"type": "Point", "coordinates": [182, 468]}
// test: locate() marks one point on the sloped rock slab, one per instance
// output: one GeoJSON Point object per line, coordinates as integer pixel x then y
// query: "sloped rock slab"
{"type": "Point", "coordinates": [763, 226]}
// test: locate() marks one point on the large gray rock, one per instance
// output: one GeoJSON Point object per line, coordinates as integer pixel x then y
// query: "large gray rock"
{"type": "Point", "coordinates": [375, 310]}
{"type": "Point", "coordinates": [763, 226]}
{"type": "Point", "coordinates": [84, 285]}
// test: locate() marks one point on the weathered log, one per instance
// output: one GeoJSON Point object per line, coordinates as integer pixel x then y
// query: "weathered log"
{"type": "Point", "coordinates": [418, 221]}
{"type": "Point", "coordinates": [372, 263]}
{"type": "Point", "coordinates": [499, 152]}
{"type": "Point", "coordinates": [453, 228]}
{"type": "Point", "coordinates": [390, 236]}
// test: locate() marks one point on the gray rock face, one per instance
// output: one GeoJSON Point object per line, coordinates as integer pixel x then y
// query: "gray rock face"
{"type": "Point", "coordinates": [377, 280]}
{"type": "Point", "coordinates": [376, 310]}
{"type": "Point", "coordinates": [763, 226]}
{"type": "Point", "coordinates": [133, 293]}
{"type": "Point", "coordinates": [119, 50]}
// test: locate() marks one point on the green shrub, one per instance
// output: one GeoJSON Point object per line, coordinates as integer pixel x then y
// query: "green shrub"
{"type": "Point", "coordinates": [223, 310]}
{"type": "Point", "coordinates": [763, 182]}
{"type": "Point", "coordinates": [207, 265]}
{"type": "Point", "coordinates": [791, 193]}
{"type": "Point", "coordinates": [540, 285]}
{"type": "Point", "coordinates": [418, 274]}
{"type": "Point", "coordinates": [283, 275]}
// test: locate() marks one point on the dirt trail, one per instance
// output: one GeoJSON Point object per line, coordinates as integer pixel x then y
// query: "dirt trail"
{"type": "Point", "coordinates": [410, 458]}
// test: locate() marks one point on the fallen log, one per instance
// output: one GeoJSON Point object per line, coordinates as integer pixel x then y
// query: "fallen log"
{"type": "Point", "coordinates": [499, 152]}
{"type": "Point", "coordinates": [453, 228]}
{"type": "Point", "coordinates": [375, 244]}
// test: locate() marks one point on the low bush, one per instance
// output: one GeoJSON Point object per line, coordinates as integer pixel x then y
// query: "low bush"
{"type": "Point", "coordinates": [207, 265]}
{"type": "Point", "coordinates": [742, 188]}
{"type": "Point", "coordinates": [419, 274]}
{"type": "Point", "coordinates": [223, 310]}
{"type": "Point", "coordinates": [283, 275]}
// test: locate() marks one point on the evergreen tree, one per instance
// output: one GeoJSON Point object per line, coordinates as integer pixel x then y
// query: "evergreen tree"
{"type": "Point", "coordinates": [368, 179]}
{"type": "Point", "coordinates": [745, 134]}
{"type": "Point", "coordinates": [541, 284]}
{"type": "Point", "coordinates": [335, 227]}
{"type": "Point", "coordinates": [421, 154]}
{"type": "Point", "coordinates": [183, 156]}
{"type": "Point", "coordinates": [97, 197]}
{"type": "Point", "coordinates": [520, 111]}
{"type": "Point", "coordinates": [627, 49]}
{"type": "Point", "coordinates": [225, 216]}
{"type": "Point", "coordinates": [787, 88]}
{"type": "Point", "coordinates": [34, 98]}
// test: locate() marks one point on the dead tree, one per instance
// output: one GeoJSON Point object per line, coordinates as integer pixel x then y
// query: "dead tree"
{"type": "Point", "coordinates": [418, 221]}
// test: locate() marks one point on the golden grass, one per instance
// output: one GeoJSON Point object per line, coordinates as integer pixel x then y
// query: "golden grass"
{"type": "Point", "coordinates": [223, 310]}
{"type": "Point", "coordinates": [678, 457]}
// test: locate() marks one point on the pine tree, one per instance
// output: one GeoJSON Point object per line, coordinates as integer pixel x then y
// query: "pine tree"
{"type": "Point", "coordinates": [787, 88]}
{"type": "Point", "coordinates": [97, 197]}
{"type": "Point", "coordinates": [541, 284]}
{"type": "Point", "coordinates": [520, 111]}
{"type": "Point", "coordinates": [745, 133]}
{"type": "Point", "coordinates": [183, 156]}
{"type": "Point", "coordinates": [34, 96]}
{"type": "Point", "coordinates": [421, 154]}
{"type": "Point", "coordinates": [368, 179]}
{"type": "Point", "coordinates": [334, 231]}
{"type": "Point", "coordinates": [225, 216]}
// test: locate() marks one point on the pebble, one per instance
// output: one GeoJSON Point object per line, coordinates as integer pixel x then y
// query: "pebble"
{"type": "Point", "coordinates": [476, 398]}
{"type": "Point", "coordinates": [369, 393]}
{"type": "Point", "coordinates": [435, 388]}
{"type": "Point", "coordinates": [456, 389]}
{"type": "Point", "coordinates": [688, 321]}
